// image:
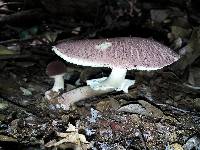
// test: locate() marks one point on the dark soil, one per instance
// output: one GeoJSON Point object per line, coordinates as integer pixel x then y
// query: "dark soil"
{"type": "Point", "coordinates": [169, 98]}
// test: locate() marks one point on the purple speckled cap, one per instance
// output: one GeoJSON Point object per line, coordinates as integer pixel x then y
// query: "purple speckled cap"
{"type": "Point", "coordinates": [124, 52]}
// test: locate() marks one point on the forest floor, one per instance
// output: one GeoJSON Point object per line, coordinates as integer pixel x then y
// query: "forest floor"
{"type": "Point", "coordinates": [160, 111]}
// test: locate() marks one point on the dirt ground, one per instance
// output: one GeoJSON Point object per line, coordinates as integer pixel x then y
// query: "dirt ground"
{"type": "Point", "coordinates": [161, 111]}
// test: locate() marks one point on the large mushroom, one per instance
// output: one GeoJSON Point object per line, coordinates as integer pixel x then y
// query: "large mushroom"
{"type": "Point", "coordinates": [119, 54]}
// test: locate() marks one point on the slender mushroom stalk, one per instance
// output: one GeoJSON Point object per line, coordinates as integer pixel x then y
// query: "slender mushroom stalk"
{"type": "Point", "coordinates": [69, 98]}
{"type": "Point", "coordinates": [115, 81]}
{"type": "Point", "coordinates": [58, 82]}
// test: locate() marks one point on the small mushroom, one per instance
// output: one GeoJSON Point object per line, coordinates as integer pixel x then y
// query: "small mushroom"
{"type": "Point", "coordinates": [119, 54]}
{"type": "Point", "coordinates": [56, 70]}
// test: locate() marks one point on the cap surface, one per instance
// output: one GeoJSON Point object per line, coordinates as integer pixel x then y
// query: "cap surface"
{"type": "Point", "coordinates": [55, 68]}
{"type": "Point", "coordinates": [124, 52]}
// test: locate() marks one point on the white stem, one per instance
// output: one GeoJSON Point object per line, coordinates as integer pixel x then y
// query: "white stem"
{"type": "Point", "coordinates": [58, 83]}
{"type": "Point", "coordinates": [116, 77]}
{"type": "Point", "coordinates": [75, 95]}
{"type": "Point", "coordinates": [116, 81]}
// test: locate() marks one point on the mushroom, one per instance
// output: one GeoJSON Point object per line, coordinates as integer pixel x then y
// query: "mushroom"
{"type": "Point", "coordinates": [56, 70]}
{"type": "Point", "coordinates": [120, 54]}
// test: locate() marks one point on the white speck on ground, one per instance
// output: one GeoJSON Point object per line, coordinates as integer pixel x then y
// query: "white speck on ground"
{"type": "Point", "coordinates": [94, 115]}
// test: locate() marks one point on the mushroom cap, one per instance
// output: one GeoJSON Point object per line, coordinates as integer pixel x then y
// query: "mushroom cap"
{"type": "Point", "coordinates": [122, 52]}
{"type": "Point", "coordinates": [55, 68]}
